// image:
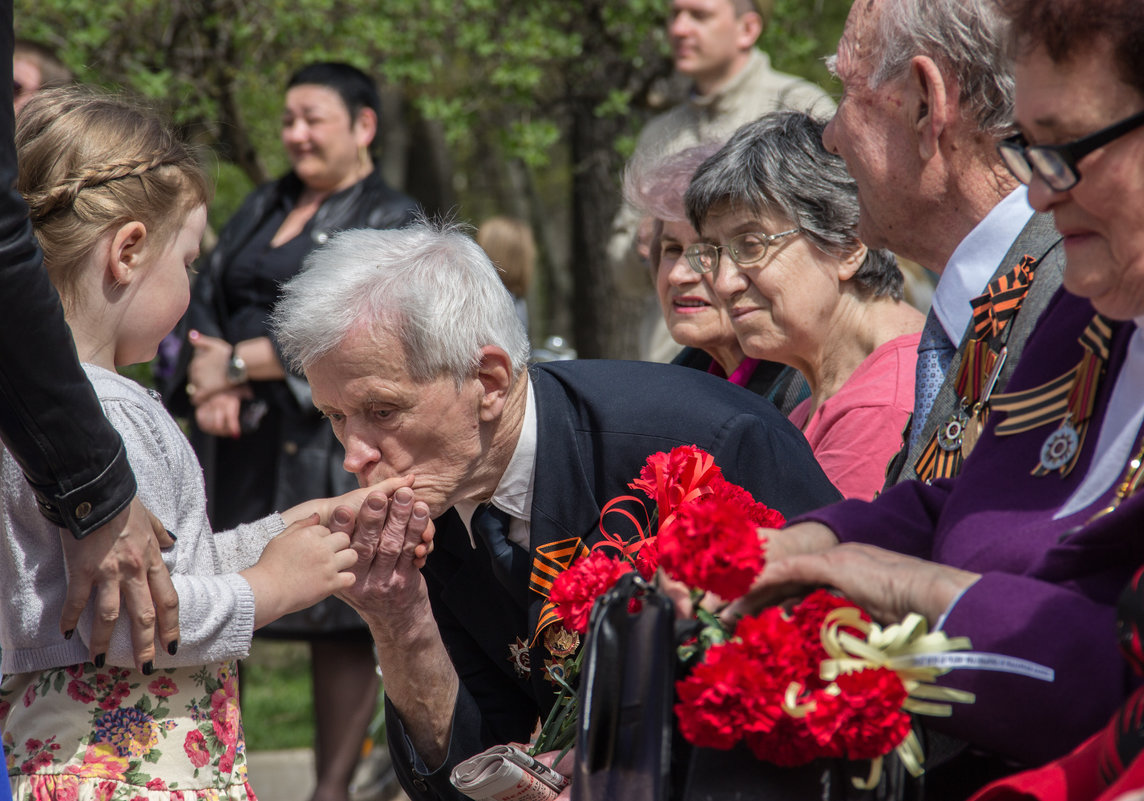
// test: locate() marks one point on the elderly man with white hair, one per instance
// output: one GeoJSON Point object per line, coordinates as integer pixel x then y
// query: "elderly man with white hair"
{"type": "Point", "coordinates": [927, 95]}
{"type": "Point", "coordinates": [414, 353]}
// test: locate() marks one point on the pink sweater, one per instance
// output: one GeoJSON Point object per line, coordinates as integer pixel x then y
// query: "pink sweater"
{"type": "Point", "coordinates": [856, 432]}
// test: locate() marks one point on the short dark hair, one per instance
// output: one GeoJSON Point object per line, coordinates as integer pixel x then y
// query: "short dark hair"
{"type": "Point", "coordinates": [778, 165]}
{"type": "Point", "coordinates": [356, 89]}
{"type": "Point", "coordinates": [1066, 27]}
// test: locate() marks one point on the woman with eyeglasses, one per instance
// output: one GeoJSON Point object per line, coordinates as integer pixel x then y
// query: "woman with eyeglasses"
{"type": "Point", "coordinates": [778, 216]}
{"type": "Point", "coordinates": [1027, 550]}
{"type": "Point", "coordinates": [694, 316]}
{"type": "Point", "coordinates": [1080, 112]}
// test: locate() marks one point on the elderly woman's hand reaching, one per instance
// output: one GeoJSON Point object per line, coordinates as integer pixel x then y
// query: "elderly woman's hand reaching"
{"type": "Point", "coordinates": [886, 584]}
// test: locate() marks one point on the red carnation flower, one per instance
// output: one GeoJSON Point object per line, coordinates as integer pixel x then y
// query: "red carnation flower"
{"type": "Point", "coordinates": [577, 588]}
{"type": "Point", "coordinates": [647, 558]}
{"type": "Point", "coordinates": [864, 718]}
{"type": "Point", "coordinates": [810, 613]}
{"type": "Point", "coordinates": [724, 698]}
{"type": "Point", "coordinates": [675, 477]}
{"type": "Point", "coordinates": [788, 744]}
{"type": "Point", "coordinates": [759, 513]}
{"type": "Point", "coordinates": [36, 762]}
{"type": "Point", "coordinates": [710, 545]}
{"type": "Point", "coordinates": [777, 642]}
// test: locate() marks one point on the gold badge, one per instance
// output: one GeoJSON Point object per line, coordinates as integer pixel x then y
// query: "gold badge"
{"type": "Point", "coordinates": [561, 642]}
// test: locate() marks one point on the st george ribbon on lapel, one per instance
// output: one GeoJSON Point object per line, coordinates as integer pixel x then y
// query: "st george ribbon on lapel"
{"type": "Point", "coordinates": [510, 562]}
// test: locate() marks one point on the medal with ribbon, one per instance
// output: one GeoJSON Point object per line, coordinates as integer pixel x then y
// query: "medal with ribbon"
{"type": "Point", "coordinates": [982, 360]}
{"type": "Point", "coordinates": [1069, 398]}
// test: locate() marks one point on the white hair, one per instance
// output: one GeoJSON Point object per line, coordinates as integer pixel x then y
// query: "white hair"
{"type": "Point", "coordinates": [429, 285]}
{"type": "Point", "coordinates": [966, 37]}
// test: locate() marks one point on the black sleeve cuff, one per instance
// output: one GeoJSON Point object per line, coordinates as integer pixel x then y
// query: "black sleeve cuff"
{"type": "Point", "coordinates": [86, 508]}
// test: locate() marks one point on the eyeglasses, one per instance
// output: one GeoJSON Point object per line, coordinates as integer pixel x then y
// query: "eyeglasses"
{"type": "Point", "coordinates": [1056, 164]}
{"type": "Point", "coordinates": [743, 249]}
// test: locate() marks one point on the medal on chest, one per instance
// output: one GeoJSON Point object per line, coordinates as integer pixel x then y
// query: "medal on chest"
{"type": "Point", "coordinates": [1069, 398]}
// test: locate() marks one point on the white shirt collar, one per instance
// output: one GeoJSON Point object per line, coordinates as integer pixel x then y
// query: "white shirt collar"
{"type": "Point", "coordinates": [513, 494]}
{"type": "Point", "coordinates": [976, 258]}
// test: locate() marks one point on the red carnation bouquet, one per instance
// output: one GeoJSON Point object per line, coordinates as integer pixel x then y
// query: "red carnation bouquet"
{"type": "Point", "coordinates": [816, 680]}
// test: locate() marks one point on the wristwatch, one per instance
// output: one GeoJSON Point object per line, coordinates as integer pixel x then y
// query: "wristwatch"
{"type": "Point", "coordinates": [236, 370]}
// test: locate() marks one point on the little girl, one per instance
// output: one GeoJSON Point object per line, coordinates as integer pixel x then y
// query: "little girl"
{"type": "Point", "coordinates": [119, 206]}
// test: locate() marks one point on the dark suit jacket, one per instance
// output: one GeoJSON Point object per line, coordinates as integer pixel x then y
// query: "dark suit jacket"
{"type": "Point", "coordinates": [597, 422]}
{"type": "Point", "coordinates": [1039, 239]}
{"type": "Point", "coordinates": [1048, 588]}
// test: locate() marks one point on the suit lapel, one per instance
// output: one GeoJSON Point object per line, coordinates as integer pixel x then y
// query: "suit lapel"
{"type": "Point", "coordinates": [1036, 239]}
{"type": "Point", "coordinates": [563, 503]}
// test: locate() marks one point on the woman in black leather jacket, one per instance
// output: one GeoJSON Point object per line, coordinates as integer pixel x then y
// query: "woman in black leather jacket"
{"type": "Point", "coordinates": [261, 442]}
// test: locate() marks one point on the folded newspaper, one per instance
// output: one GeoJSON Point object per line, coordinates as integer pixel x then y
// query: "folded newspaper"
{"type": "Point", "coordinates": [506, 773]}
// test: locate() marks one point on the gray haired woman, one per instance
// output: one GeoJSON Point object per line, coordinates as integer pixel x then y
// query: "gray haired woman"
{"type": "Point", "coordinates": [778, 218]}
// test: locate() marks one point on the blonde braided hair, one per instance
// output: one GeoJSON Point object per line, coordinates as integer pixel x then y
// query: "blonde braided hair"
{"type": "Point", "coordinates": [64, 195]}
{"type": "Point", "coordinates": [91, 162]}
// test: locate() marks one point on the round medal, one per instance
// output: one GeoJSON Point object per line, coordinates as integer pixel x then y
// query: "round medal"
{"type": "Point", "coordinates": [949, 435]}
{"type": "Point", "coordinates": [1060, 447]}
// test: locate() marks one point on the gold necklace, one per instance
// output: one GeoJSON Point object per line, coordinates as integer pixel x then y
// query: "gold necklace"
{"type": "Point", "coordinates": [1129, 483]}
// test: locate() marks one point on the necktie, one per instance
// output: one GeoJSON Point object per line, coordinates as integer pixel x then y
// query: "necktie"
{"type": "Point", "coordinates": [509, 561]}
{"type": "Point", "coordinates": [935, 352]}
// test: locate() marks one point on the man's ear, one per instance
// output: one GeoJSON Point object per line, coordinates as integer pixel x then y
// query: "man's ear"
{"type": "Point", "coordinates": [750, 29]}
{"type": "Point", "coordinates": [852, 263]}
{"type": "Point", "coordinates": [125, 252]}
{"type": "Point", "coordinates": [929, 96]}
{"type": "Point", "coordinates": [496, 376]}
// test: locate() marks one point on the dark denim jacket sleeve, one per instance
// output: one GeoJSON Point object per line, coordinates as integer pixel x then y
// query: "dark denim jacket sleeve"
{"type": "Point", "coordinates": [50, 418]}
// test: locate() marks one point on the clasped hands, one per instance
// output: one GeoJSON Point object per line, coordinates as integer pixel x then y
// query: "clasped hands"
{"type": "Point", "coordinates": [217, 402]}
{"type": "Point", "coordinates": [392, 535]}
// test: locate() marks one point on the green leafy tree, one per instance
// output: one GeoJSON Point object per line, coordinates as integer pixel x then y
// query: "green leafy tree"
{"type": "Point", "coordinates": [526, 107]}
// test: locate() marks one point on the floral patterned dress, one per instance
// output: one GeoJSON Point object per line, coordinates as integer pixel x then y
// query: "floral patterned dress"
{"type": "Point", "coordinates": [113, 734]}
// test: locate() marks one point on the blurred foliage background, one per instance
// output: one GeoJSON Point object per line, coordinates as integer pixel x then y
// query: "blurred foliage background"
{"type": "Point", "coordinates": [519, 107]}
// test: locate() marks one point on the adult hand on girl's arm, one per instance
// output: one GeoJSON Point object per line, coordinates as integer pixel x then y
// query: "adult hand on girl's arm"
{"type": "Point", "coordinates": [121, 562]}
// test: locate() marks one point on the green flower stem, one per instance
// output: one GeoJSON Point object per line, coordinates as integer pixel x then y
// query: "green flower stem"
{"type": "Point", "coordinates": [559, 730]}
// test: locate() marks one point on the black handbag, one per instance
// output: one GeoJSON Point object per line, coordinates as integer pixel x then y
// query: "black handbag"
{"type": "Point", "coordinates": [624, 734]}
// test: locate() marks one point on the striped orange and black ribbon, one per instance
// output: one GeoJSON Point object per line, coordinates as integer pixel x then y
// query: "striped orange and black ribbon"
{"type": "Point", "coordinates": [549, 562]}
{"type": "Point", "coordinates": [993, 311]}
{"type": "Point", "coordinates": [996, 307]}
{"type": "Point", "coordinates": [1069, 397]}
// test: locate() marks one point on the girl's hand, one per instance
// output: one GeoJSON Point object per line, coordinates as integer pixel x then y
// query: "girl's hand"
{"type": "Point", "coordinates": [301, 566]}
